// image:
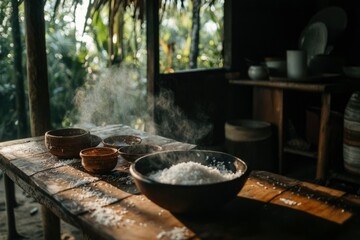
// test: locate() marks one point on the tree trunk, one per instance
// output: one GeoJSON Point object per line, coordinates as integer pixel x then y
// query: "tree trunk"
{"type": "Point", "coordinates": [195, 34]}
{"type": "Point", "coordinates": [37, 67]}
{"type": "Point", "coordinates": [111, 33]}
{"type": "Point", "coordinates": [18, 71]}
{"type": "Point", "coordinates": [120, 31]}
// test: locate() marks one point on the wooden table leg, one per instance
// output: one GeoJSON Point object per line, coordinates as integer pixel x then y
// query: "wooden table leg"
{"type": "Point", "coordinates": [10, 204]}
{"type": "Point", "coordinates": [51, 224]}
{"type": "Point", "coordinates": [322, 162]}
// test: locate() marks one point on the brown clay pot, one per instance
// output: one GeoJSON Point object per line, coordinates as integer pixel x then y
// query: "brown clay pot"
{"type": "Point", "coordinates": [67, 142]}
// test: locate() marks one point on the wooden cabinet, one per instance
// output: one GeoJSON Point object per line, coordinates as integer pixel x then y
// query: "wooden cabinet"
{"type": "Point", "coordinates": [269, 104]}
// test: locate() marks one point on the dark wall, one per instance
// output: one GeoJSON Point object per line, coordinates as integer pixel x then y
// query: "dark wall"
{"type": "Point", "coordinates": [348, 44]}
{"type": "Point", "coordinates": [254, 29]}
{"type": "Point", "coordinates": [191, 106]}
{"type": "Point", "coordinates": [266, 28]}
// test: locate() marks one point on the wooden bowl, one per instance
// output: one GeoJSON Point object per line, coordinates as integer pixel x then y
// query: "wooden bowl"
{"type": "Point", "coordinates": [99, 159]}
{"type": "Point", "coordinates": [132, 152]}
{"type": "Point", "coordinates": [118, 141]}
{"type": "Point", "coordinates": [67, 142]}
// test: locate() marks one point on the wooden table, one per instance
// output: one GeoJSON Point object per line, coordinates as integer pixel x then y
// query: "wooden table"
{"type": "Point", "coordinates": [110, 207]}
{"type": "Point", "coordinates": [268, 99]}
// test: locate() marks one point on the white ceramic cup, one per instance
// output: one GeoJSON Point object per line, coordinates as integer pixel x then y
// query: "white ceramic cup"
{"type": "Point", "coordinates": [296, 64]}
{"type": "Point", "coordinates": [258, 72]}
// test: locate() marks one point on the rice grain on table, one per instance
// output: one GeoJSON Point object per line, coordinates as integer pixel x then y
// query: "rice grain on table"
{"type": "Point", "coordinates": [193, 173]}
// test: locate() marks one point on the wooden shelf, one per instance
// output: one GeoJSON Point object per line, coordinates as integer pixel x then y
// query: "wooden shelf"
{"type": "Point", "coordinates": [333, 85]}
{"type": "Point", "coordinates": [310, 154]}
{"type": "Point", "coordinates": [269, 104]}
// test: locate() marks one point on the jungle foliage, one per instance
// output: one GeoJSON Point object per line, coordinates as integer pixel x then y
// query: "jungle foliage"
{"type": "Point", "coordinates": [78, 59]}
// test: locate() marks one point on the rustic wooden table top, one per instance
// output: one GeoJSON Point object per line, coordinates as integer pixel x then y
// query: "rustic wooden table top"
{"type": "Point", "coordinates": [110, 207]}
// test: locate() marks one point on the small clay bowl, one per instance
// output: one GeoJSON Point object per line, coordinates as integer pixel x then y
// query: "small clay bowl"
{"type": "Point", "coordinates": [118, 141]}
{"type": "Point", "coordinates": [99, 159]}
{"type": "Point", "coordinates": [132, 152]}
{"type": "Point", "coordinates": [67, 142]}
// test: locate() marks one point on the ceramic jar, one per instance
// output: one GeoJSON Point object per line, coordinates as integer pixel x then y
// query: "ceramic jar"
{"type": "Point", "coordinates": [258, 72]}
{"type": "Point", "coordinates": [351, 146]}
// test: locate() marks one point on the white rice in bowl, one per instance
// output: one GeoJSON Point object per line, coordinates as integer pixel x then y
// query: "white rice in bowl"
{"type": "Point", "coordinates": [193, 173]}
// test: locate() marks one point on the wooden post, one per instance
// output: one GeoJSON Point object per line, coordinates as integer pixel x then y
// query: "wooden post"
{"type": "Point", "coordinates": [152, 47]}
{"type": "Point", "coordinates": [38, 90]}
{"type": "Point", "coordinates": [37, 74]}
{"type": "Point", "coordinates": [323, 149]}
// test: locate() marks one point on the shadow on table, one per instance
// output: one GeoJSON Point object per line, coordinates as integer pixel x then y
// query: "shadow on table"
{"type": "Point", "coordinates": [251, 219]}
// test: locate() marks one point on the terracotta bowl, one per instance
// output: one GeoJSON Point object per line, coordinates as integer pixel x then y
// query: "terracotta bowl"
{"type": "Point", "coordinates": [67, 142]}
{"type": "Point", "coordinates": [132, 152]}
{"type": "Point", "coordinates": [99, 159]}
{"type": "Point", "coordinates": [188, 197]}
{"type": "Point", "coordinates": [118, 141]}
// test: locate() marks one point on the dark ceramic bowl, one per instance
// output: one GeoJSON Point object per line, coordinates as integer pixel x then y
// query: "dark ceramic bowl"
{"type": "Point", "coordinates": [99, 159]}
{"type": "Point", "coordinates": [67, 142]}
{"type": "Point", "coordinates": [132, 152]}
{"type": "Point", "coordinates": [118, 141]}
{"type": "Point", "coordinates": [188, 199]}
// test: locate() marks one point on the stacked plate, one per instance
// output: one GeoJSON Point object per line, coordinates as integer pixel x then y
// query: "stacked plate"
{"type": "Point", "coordinates": [322, 31]}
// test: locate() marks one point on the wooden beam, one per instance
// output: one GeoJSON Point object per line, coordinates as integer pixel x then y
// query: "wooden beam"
{"type": "Point", "coordinates": [37, 76]}
{"type": "Point", "coordinates": [228, 35]}
{"type": "Point", "coordinates": [152, 47]}
{"type": "Point", "coordinates": [37, 73]}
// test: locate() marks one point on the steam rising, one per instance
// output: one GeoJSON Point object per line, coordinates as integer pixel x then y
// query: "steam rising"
{"type": "Point", "coordinates": [174, 123]}
{"type": "Point", "coordinates": [118, 96]}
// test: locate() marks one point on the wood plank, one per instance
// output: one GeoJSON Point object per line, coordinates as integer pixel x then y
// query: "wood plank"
{"type": "Point", "coordinates": [63, 178]}
{"type": "Point", "coordinates": [353, 198]}
{"type": "Point", "coordinates": [90, 196]}
{"type": "Point", "coordinates": [21, 149]}
{"type": "Point", "coordinates": [312, 87]}
{"type": "Point", "coordinates": [335, 86]}
{"type": "Point", "coordinates": [321, 189]}
{"type": "Point", "coordinates": [21, 141]}
{"type": "Point", "coordinates": [41, 162]}
{"type": "Point", "coordinates": [135, 217]}
{"type": "Point", "coordinates": [264, 187]}
{"type": "Point", "coordinates": [313, 205]}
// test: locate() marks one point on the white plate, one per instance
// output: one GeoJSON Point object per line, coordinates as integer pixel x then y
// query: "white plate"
{"type": "Point", "coordinates": [313, 39]}
{"type": "Point", "coordinates": [334, 18]}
